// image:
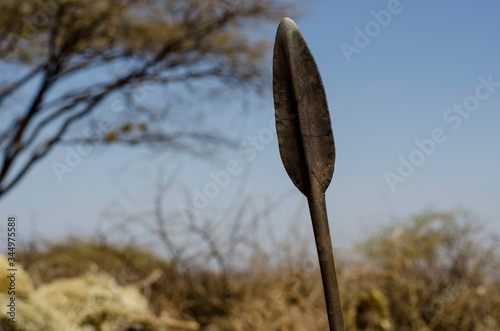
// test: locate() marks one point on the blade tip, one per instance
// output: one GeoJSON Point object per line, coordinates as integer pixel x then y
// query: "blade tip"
{"type": "Point", "coordinates": [287, 20]}
{"type": "Point", "coordinates": [287, 23]}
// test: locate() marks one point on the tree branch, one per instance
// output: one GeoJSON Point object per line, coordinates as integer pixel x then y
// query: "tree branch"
{"type": "Point", "coordinates": [13, 87]}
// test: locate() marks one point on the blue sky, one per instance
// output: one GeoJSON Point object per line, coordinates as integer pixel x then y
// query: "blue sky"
{"type": "Point", "coordinates": [397, 89]}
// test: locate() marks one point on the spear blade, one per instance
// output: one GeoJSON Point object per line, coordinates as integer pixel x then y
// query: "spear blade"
{"type": "Point", "coordinates": [302, 119]}
{"type": "Point", "coordinates": [306, 144]}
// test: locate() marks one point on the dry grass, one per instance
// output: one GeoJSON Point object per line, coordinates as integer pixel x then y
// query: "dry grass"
{"type": "Point", "coordinates": [434, 272]}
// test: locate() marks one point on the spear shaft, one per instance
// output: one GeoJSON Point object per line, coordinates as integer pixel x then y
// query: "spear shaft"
{"type": "Point", "coordinates": [306, 144]}
{"type": "Point", "coordinates": [319, 217]}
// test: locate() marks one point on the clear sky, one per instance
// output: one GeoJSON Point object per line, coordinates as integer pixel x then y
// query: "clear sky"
{"type": "Point", "coordinates": [395, 72]}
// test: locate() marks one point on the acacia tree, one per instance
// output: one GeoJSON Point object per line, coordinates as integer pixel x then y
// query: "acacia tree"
{"type": "Point", "coordinates": [71, 56]}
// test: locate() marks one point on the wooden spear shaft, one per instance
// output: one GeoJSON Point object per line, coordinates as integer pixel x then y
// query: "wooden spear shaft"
{"type": "Point", "coordinates": [306, 144]}
{"type": "Point", "coordinates": [319, 217]}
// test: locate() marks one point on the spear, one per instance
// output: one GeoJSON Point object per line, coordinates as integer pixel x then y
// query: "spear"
{"type": "Point", "coordinates": [306, 144]}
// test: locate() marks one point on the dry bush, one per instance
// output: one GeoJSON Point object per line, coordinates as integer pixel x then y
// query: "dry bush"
{"type": "Point", "coordinates": [276, 298]}
{"type": "Point", "coordinates": [434, 272]}
{"type": "Point", "coordinates": [128, 265]}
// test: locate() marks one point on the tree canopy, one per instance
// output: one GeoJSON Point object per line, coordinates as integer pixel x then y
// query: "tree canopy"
{"type": "Point", "coordinates": [69, 57]}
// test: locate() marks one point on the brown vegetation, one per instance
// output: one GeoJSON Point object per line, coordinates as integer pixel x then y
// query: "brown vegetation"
{"type": "Point", "coordinates": [435, 272]}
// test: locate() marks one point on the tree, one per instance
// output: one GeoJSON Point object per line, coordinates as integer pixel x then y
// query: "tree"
{"type": "Point", "coordinates": [72, 56]}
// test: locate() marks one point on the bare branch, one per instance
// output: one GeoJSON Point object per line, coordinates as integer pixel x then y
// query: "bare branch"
{"type": "Point", "coordinates": [16, 85]}
{"type": "Point", "coordinates": [168, 42]}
